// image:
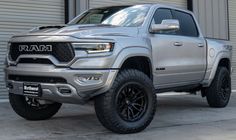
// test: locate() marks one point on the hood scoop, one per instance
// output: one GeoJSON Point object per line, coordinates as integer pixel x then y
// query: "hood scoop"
{"type": "Point", "coordinates": [47, 27]}
{"type": "Point", "coordinates": [52, 26]}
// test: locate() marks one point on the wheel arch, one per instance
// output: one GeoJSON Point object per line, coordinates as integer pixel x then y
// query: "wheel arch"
{"type": "Point", "coordinates": [135, 58]}
{"type": "Point", "coordinates": [223, 60]}
{"type": "Point", "coordinates": [141, 63]}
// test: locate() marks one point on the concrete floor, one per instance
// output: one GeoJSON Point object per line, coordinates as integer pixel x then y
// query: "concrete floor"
{"type": "Point", "coordinates": [185, 117]}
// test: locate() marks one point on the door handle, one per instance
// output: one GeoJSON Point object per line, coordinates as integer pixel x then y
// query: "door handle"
{"type": "Point", "coordinates": [200, 45]}
{"type": "Point", "coordinates": [178, 44]}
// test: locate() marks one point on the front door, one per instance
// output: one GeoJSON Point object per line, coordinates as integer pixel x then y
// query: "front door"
{"type": "Point", "coordinates": [179, 57]}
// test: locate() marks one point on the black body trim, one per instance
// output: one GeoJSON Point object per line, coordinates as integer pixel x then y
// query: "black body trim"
{"type": "Point", "coordinates": [95, 68]}
{"type": "Point", "coordinates": [187, 88]}
{"type": "Point", "coordinates": [38, 79]}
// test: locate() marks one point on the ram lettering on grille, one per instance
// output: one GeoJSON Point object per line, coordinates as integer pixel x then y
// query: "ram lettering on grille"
{"type": "Point", "coordinates": [35, 48]}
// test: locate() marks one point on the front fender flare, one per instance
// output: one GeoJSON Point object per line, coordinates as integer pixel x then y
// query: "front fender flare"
{"type": "Point", "coordinates": [131, 52]}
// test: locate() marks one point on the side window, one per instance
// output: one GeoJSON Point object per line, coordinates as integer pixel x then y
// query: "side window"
{"type": "Point", "coordinates": [187, 24]}
{"type": "Point", "coordinates": [162, 14]}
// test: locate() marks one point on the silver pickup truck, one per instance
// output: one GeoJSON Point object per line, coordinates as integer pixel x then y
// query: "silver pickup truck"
{"type": "Point", "coordinates": [120, 57]}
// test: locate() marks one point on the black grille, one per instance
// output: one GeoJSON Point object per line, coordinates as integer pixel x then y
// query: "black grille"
{"type": "Point", "coordinates": [63, 52]}
{"type": "Point", "coordinates": [38, 79]}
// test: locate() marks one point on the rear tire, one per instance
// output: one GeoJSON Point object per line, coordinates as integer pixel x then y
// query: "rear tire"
{"type": "Point", "coordinates": [129, 105]}
{"type": "Point", "coordinates": [31, 109]}
{"type": "Point", "coordinates": [218, 94]}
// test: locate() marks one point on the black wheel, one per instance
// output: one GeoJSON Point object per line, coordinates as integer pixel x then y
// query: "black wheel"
{"type": "Point", "coordinates": [218, 94]}
{"type": "Point", "coordinates": [33, 109]}
{"type": "Point", "coordinates": [130, 104]}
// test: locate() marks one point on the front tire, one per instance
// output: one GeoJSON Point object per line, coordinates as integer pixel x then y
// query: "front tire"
{"type": "Point", "coordinates": [32, 109]}
{"type": "Point", "coordinates": [218, 94]}
{"type": "Point", "coordinates": [129, 105]}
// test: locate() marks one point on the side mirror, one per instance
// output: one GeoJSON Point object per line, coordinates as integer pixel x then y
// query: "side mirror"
{"type": "Point", "coordinates": [166, 25]}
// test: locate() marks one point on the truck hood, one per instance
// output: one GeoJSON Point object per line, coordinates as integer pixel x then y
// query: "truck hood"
{"type": "Point", "coordinates": [83, 31]}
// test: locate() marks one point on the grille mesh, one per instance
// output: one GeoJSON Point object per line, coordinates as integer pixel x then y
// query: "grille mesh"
{"type": "Point", "coordinates": [63, 52]}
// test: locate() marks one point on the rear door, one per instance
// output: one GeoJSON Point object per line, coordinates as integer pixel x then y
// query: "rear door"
{"type": "Point", "coordinates": [179, 57]}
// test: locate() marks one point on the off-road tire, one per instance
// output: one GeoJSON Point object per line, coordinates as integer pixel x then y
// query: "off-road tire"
{"type": "Point", "coordinates": [107, 110]}
{"type": "Point", "coordinates": [218, 94]}
{"type": "Point", "coordinates": [23, 109]}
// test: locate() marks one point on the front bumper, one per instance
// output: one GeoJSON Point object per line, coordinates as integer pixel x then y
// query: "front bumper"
{"type": "Point", "coordinates": [81, 90]}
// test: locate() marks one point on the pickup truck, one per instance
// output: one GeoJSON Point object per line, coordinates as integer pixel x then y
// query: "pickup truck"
{"type": "Point", "coordinates": [120, 57]}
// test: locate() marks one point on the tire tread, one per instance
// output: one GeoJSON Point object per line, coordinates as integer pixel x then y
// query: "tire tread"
{"type": "Point", "coordinates": [104, 109]}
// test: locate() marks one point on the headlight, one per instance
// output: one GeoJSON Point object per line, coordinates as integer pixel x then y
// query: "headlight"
{"type": "Point", "coordinates": [93, 47]}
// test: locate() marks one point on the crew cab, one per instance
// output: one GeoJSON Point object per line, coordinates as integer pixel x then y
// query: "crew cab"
{"type": "Point", "coordinates": [120, 57]}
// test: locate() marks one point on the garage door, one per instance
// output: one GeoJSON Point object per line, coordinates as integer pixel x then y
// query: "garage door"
{"type": "Point", "coordinates": [232, 26]}
{"type": "Point", "coordinates": [212, 17]}
{"type": "Point", "coordinates": [21, 15]}
{"type": "Point", "coordinates": [100, 3]}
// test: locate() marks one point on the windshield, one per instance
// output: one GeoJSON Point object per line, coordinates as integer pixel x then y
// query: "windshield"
{"type": "Point", "coordinates": [128, 16]}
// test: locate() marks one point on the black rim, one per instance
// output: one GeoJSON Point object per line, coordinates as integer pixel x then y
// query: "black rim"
{"type": "Point", "coordinates": [225, 89]}
{"type": "Point", "coordinates": [35, 103]}
{"type": "Point", "coordinates": [131, 102]}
